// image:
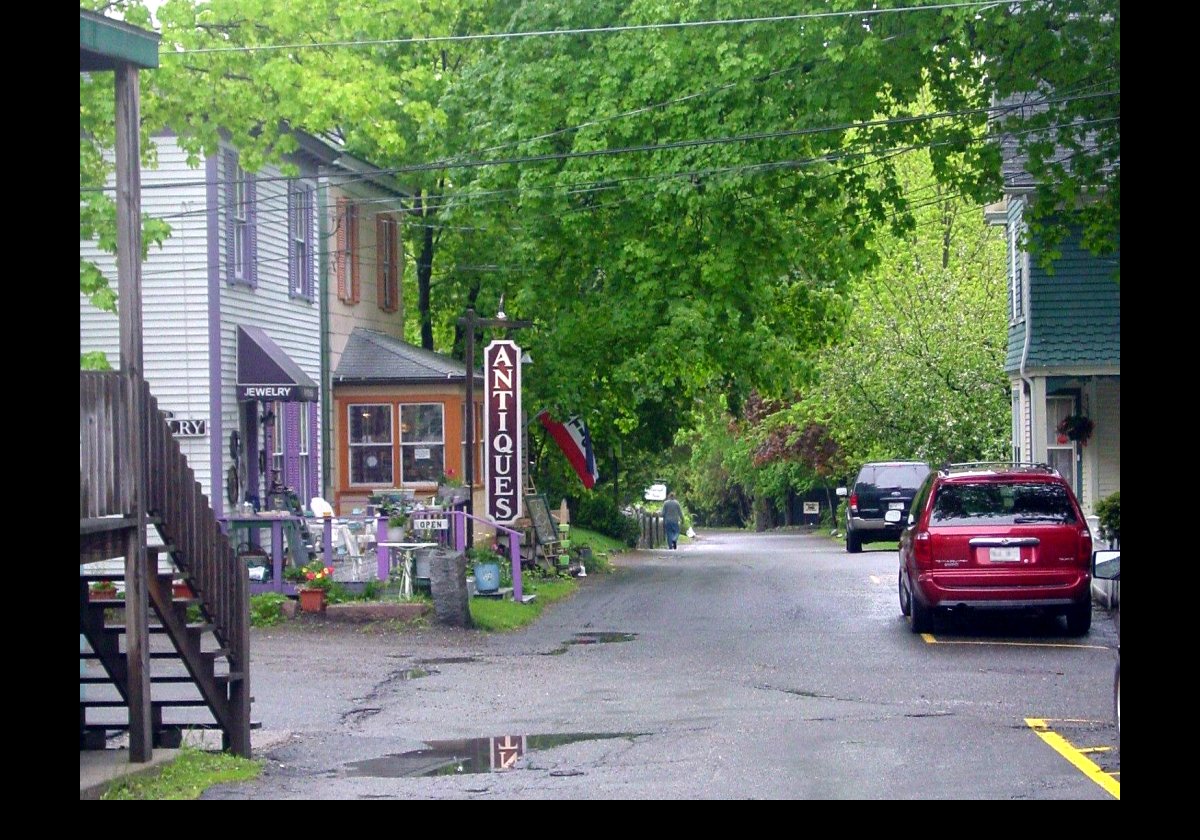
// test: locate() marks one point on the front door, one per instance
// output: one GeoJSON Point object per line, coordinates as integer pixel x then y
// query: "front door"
{"type": "Point", "coordinates": [1061, 453]}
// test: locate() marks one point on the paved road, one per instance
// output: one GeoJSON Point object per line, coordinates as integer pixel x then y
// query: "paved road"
{"type": "Point", "coordinates": [750, 666]}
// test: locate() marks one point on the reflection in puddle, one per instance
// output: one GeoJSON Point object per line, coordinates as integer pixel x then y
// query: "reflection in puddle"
{"type": "Point", "coordinates": [415, 673]}
{"type": "Point", "coordinates": [592, 638]}
{"type": "Point", "coordinates": [469, 755]}
{"type": "Point", "coordinates": [601, 638]}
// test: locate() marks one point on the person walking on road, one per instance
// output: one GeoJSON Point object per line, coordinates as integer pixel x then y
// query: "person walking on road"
{"type": "Point", "coordinates": [672, 519]}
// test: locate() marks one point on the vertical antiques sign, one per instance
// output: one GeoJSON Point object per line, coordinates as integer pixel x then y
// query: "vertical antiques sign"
{"type": "Point", "coordinates": [502, 430]}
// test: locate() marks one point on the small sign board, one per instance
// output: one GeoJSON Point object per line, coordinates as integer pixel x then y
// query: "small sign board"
{"type": "Point", "coordinates": [811, 507]}
{"type": "Point", "coordinates": [431, 523]}
{"type": "Point", "coordinates": [543, 526]}
{"type": "Point", "coordinates": [184, 428]}
{"type": "Point", "coordinates": [506, 750]}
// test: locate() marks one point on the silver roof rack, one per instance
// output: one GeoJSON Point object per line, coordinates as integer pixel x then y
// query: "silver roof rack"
{"type": "Point", "coordinates": [1013, 466]}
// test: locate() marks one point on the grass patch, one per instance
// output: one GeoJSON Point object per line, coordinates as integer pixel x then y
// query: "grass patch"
{"type": "Point", "coordinates": [600, 544]}
{"type": "Point", "coordinates": [502, 615]}
{"type": "Point", "coordinates": [188, 776]}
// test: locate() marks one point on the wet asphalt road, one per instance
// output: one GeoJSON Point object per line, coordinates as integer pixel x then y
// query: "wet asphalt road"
{"type": "Point", "coordinates": [757, 666]}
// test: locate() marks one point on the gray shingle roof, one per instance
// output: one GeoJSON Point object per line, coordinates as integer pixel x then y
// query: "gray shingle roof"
{"type": "Point", "coordinates": [372, 356]}
{"type": "Point", "coordinates": [1007, 117]}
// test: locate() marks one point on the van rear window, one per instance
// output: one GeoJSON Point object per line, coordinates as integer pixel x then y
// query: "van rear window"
{"type": "Point", "coordinates": [899, 477]}
{"type": "Point", "coordinates": [1002, 504]}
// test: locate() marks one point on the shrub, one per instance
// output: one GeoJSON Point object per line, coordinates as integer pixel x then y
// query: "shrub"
{"type": "Point", "coordinates": [599, 513]}
{"type": "Point", "coordinates": [1109, 511]}
{"type": "Point", "coordinates": [266, 609]}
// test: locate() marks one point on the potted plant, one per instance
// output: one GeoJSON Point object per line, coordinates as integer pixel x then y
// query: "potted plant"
{"type": "Point", "coordinates": [102, 590]}
{"type": "Point", "coordinates": [1075, 427]}
{"type": "Point", "coordinates": [451, 491]}
{"type": "Point", "coordinates": [397, 525]}
{"type": "Point", "coordinates": [487, 564]}
{"type": "Point", "coordinates": [316, 581]}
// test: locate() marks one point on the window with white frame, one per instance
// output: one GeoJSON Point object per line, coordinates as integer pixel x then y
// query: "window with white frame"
{"type": "Point", "coordinates": [370, 443]}
{"type": "Point", "coordinates": [304, 478]}
{"type": "Point", "coordinates": [422, 442]}
{"type": "Point", "coordinates": [1016, 274]}
{"type": "Point", "coordinates": [278, 432]}
{"type": "Point", "coordinates": [300, 251]}
{"type": "Point", "coordinates": [387, 249]}
{"type": "Point", "coordinates": [346, 252]}
{"type": "Point", "coordinates": [1016, 425]}
{"type": "Point", "coordinates": [239, 222]}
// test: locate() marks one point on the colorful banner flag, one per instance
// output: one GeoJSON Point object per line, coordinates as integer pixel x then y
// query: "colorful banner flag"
{"type": "Point", "coordinates": [574, 440]}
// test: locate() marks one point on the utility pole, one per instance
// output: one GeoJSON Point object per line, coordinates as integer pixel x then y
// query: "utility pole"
{"type": "Point", "coordinates": [470, 323]}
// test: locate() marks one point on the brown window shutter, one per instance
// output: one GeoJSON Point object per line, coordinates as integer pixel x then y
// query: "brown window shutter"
{"type": "Point", "coordinates": [340, 249]}
{"type": "Point", "coordinates": [355, 268]}
{"type": "Point", "coordinates": [381, 244]}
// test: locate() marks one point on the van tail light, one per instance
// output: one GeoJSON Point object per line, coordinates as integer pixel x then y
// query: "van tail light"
{"type": "Point", "coordinates": [1084, 556]}
{"type": "Point", "coordinates": [923, 548]}
{"type": "Point", "coordinates": [854, 502]}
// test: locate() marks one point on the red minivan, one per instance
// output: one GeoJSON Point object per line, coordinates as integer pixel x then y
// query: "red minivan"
{"type": "Point", "coordinates": [996, 537]}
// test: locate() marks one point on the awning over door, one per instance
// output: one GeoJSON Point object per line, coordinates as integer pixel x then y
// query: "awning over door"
{"type": "Point", "coordinates": [265, 372]}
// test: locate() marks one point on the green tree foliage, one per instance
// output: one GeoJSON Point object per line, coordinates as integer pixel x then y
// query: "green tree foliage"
{"type": "Point", "coordinates": [681, 211]}
{"type": "Point", "coordinates": [920, 371]}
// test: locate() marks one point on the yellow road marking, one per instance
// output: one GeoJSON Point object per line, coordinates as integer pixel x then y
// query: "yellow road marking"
{"type": "Point", "coordinates": [1081, 762]}
{"type": "Point", "coordinates": [932, 640]}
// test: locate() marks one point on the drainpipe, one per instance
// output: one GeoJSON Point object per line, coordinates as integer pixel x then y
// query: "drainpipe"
{"type": "Point", "coordinates": [322, 293]}
{"type": "Point", "coordinates": [1025, 356]}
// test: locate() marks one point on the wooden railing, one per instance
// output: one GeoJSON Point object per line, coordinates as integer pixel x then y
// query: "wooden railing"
{"type": "Point", "coordinates": [202, 551]}
{"type": "Point", "coordinates": [177, 505]}
{"type": "Point", "coordinates": [103, 487]}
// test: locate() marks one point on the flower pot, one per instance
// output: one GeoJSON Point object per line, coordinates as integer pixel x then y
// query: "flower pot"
{"type": "Point", "coordinates": [487, 577]}
{"type": "Point", "coordinates": [395, 533]}
{"type": "Point", "coordinates": [181, 589]}
{"type": "Point", "coordinates": [102, 594]}
{"type": "Point", "coordinates": [312, 600]}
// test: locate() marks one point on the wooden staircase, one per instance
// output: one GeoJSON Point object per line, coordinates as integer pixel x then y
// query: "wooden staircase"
{"type": "Point", "coordinates": [199, 646]}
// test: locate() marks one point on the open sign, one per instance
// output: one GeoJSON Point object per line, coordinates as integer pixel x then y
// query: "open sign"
{"type": "Point", "coordinates": [431, 523]}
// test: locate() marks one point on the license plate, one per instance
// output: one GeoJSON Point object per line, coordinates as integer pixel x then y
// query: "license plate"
{"type": "Point", "coordinates": [1004, 555]}
{"type": "Point", "coordinates": [895, 505]}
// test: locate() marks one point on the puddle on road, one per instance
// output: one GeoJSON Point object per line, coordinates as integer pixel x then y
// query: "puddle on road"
{"type": "Point", "coordinates": [448, 660]}
{"type": "Point", "coordinates": [470, 755]}
{"type": "Point", "coordinates": [415, 673]}
{"type": "Point", "coordinates": [600, 638]}
{"type": "Point", "coordinates": [591, 638]}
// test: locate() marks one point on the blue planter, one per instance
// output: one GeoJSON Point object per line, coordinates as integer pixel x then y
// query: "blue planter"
{"type": "Point", "coordinates": [487, 577]}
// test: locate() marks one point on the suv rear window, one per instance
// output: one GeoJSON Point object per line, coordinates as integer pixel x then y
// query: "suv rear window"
{"type": "Point", "coordinates": [1002, 504]}
{"type": "Point", "coordinates": [894, 476]}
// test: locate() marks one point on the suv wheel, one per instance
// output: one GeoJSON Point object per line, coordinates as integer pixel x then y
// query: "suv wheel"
{"type": "Point", "coordinates": [905, 598]}
{"type": "Point", "coordinates": [853, 542]}
{"type": "Point", "coordinates": [920, 618]}
{"type": "Point", "coordinates": [1079, 618]}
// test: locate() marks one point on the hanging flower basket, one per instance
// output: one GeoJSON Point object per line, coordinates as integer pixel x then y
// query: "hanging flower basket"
{"type": "Point", "coordinates": [1076, 427]}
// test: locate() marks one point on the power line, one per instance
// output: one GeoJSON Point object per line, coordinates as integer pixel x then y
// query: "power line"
{"type": "Point", "coordinates": [680, 144]}
{"type": "Point", "coordinates": [597, 30]}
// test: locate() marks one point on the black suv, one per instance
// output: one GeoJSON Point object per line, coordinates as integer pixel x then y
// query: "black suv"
{"type": "Point", "coordinates": [881, 486]}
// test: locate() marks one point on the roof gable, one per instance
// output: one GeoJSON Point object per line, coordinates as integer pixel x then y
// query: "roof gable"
{"type": "Point", "coordinates": [372, 356]}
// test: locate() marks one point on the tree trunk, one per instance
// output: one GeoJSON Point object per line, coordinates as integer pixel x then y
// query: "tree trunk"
{"type": "Point", "coordinates": [424, 276]}
{"type": "Point", "coordinates": [762, 513]}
